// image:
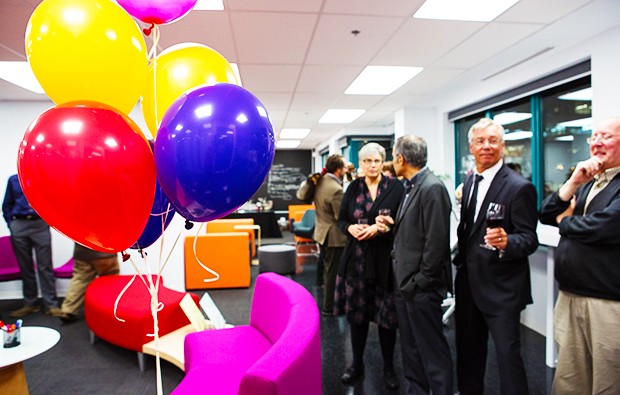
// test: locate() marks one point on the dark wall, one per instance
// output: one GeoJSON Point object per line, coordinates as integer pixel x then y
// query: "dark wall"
{"type": "Point", "coordinates": [289, 169]}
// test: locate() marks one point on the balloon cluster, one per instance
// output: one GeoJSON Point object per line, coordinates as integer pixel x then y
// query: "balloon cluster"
{"type": "Point", "coordinates": [87, 168]}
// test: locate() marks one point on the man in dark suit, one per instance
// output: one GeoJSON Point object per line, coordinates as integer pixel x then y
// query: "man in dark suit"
{"type": "Point", "coordinates": [587, 312]}
{"type": "Point", "coordinates": [421, 263]}
{"type": "Point", "coordinates": [493, 286]}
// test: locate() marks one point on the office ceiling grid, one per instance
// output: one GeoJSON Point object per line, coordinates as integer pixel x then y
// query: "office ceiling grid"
{"type": "Point", "coordinates": [298, 56]}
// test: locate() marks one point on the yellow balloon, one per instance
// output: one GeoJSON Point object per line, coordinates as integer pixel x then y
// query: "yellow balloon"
{"type": "Point", "coordinates": [87, 50]}
{"type": "Point", "coordinates": [177, 70]}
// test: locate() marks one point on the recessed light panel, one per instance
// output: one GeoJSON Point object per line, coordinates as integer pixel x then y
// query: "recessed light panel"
{"type": "Point", "coordinates": [341, 115]}
{"type": "Point", "coordinates": [464, 10]}
{"type": "Point", "coordinates": [381, 80]}
{"type": "Point", "coordinates": [20, 74]}
{"type": "Point", "coordinates": [289, 133]}
{"type": "Point", "coordinates": [209, 5]}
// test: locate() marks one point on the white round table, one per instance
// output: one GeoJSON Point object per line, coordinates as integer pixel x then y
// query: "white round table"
{"type": "Point", "coordinates": [34, 341]}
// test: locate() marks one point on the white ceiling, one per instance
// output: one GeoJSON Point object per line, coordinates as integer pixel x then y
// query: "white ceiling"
{"type": "Point", "coordinates": [298, 56]}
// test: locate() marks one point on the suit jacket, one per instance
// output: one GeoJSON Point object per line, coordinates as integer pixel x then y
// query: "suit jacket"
{"type": "Point", "coordinates": [422, 237]}
{"type": "Point", "coordinates": [327, 199]}
{"type": "Point", "coordinates": [499, 283]}
{"type": "Point", "coordinates": [377, 259]}
{"type": "Point", "coordinates": [586, 259]}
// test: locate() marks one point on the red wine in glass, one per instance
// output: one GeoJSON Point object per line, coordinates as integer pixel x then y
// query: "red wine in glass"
{"type": "Point", "coordinates": [494, 217]}
{"type": "Point", "coordinates": [494, 222]}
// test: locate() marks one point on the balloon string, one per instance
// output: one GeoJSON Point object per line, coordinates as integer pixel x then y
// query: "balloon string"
{"type": "Point", "coordinates": [216, 274]}
{"type": "Point", "coordinates": [120, 296]}
{"type": "Point", "coordinates": [153, 59]}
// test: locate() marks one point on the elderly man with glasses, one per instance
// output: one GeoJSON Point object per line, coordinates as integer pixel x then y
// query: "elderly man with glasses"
{"type": "Point", "coordinates": [493, 274]}
{"type": "Point", "coordinates": [586, 209]}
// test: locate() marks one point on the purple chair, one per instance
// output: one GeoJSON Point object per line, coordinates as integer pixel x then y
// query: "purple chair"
{"type": "Point", "coordinates": [9, 268]}
{"type": "Point", "coordinates": [279, 352]}
{"type": "Point", "coordinates": [64, 271]}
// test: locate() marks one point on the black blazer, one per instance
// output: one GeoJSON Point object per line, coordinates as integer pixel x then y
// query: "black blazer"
{"type": "Point", "coordinates": [586, 259]}
{"type": "Point", "coordinates": [500, 283]}
{"type": "Point", "coordinates": [376, 250]}
{"type": "Point", "coordinates": [422, 238]}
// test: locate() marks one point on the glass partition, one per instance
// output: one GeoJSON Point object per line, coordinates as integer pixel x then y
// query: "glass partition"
{"type": "Point", "coordinates": [567, 123]}
{"type": "Point", "coordinates": [545, 134]}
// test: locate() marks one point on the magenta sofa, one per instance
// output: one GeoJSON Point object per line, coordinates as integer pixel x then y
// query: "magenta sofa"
{"type": "Point", "coordinates": [279, 352]}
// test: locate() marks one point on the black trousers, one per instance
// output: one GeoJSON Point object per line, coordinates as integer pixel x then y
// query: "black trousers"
{"type": "Point", "coordinates": [472, 334]}
{"type": "Point", "coordinates": [427, 363]}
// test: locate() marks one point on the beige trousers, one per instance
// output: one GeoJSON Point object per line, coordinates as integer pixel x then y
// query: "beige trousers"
{"type": "Point", "coordinates": [84, 272]}
{"type": "Point", "coordinates": [587, 331]}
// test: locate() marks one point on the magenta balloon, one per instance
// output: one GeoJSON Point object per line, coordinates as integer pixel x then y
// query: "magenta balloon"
{"type": "Point", "coordinates": [157, 11]}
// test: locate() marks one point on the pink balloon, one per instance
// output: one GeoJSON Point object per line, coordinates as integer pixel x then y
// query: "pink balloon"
{"type": "Point", "coordinates": [157, 11]}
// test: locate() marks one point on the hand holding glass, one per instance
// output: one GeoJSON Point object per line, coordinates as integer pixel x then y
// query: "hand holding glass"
{"type": "Point", "coordinates": [384, 211]}
{"type": "Point", "coordinates": [494, 217]}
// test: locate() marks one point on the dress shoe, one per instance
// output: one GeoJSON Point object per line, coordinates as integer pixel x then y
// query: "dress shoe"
{"type": "Point", "coordinates": [24, 311]}
{"type": "Point", "coordinates": [53, 311]}
{"type": "Point", "coordinates": [391, 381]}
{"type": "Point", "coordinates": [67, 318]}
{"type": "Point", "coordinates": [351, 375]}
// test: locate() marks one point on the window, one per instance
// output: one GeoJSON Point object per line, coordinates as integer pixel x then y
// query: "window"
{"type": "Point", "coordinates": [545, 134]}
{"type": "Point", "coordinates": [567, 123]}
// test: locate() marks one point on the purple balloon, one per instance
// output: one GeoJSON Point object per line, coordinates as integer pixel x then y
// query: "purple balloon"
{"type": "Point", "coordinates": [157, 11]}
{"type": "Point", "coordinates": [161, 215]}
{"type": "Point", "coordinates": [213, 150]}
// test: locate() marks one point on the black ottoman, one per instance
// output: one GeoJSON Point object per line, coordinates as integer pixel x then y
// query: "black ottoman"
{"type": "Point", "coordinates": [277, 258]}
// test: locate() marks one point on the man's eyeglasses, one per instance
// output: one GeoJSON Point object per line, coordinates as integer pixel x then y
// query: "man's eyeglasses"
{"type": "Point", "coordinates": [369, 161]}
{"type": "Point", "coordinates": [493, 142]}
{"type": "Point", "coordinates": [602, 137]}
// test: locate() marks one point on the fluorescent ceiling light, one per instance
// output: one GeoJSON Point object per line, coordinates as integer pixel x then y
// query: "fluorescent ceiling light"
{"type": "Point", "coordinates": [341, 116]}
{"type": "Point", "coordinates": [461, 10]}
{"type": "Point", "coordinates": [581, 95]}
{"type": "Point", "coordinates": [507, 118]}
{"type": "Point", "coordinates": [585, 123]}
{"type": "Point", "coordinates": [235, 68]}
{"type": "Point", "coordinates": [381, 80]}
{"type": "Point", "coordinates": [520, 135]}
{"type": "Point", "coordinates": [209, 5]}
{"type": "Point", "coordinates": [289, 133]}
{"type": "Point", "coordinates": [287, 143]}
{"type": "Point", "coordinates": [20, 74]}
{"type": "Point", "coordinates": [565, 138]}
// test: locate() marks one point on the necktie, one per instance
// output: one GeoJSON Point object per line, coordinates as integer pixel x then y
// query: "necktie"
{"type": "Point", "coordinates": [471, 208]}
{"type": "Point", "coordinates": [408, 186]}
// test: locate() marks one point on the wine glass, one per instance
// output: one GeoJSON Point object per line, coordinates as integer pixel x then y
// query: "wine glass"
{"type": "Point", "coordinates": [384, 211]}
{"type": "Point", "coordinates": [494, 217]}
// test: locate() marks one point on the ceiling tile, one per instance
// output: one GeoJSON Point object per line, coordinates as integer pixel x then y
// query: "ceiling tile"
{"type": "Point", "coordinates": [274, 5]}
{"type": "Point", "coordinates": [269, 78]}
{"type": "Point", "coordinates": [272, 38]}
{"type": "Point", "coordinates": [493, 38]}
{"type": "Point", "coordinates": [402, 8]}
{"type": "Point", "coordinates": [334, 44]}
{"type": "Point", "coordinates": [536, 11]}
{"type": "Point", "coordinates": [333, 79]}
{"type": "Point", "coordinates": [419, 42]}
{"type": "Point", "coordinates": [211, 28]}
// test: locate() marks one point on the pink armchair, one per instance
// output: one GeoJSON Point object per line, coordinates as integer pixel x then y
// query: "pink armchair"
{"type": "Point", "coordinates": [279, 352]}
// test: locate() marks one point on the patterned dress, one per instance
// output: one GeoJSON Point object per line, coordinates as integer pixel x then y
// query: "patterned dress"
{"type": "Point", "coordinates": [356, 296]}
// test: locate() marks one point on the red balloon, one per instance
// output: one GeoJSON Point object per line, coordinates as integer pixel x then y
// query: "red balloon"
{"type": "Point", "coordinates": [89, 172]}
